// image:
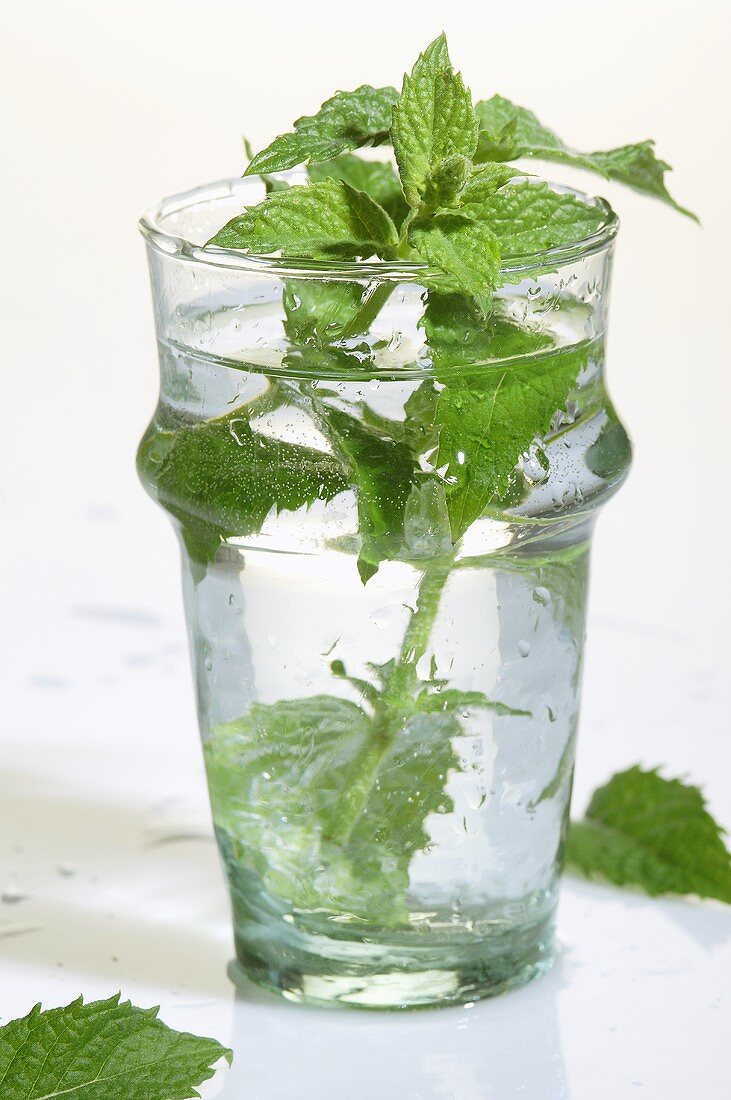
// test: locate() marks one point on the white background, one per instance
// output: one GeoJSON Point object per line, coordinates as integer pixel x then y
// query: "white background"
{"type": "Point", "coordinates": [105, 829]}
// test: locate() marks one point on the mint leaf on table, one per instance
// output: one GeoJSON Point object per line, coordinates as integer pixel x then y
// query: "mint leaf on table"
{"type": "Point", "coordinates": [377, 178]}
{"type": "Point", "coordinates": [330, 216]}
{"type": "Point", "coordinates": [654, 833]}
{"type": "Point", "coordinates": [347, 121]}
{"type": "Point", "coordinates": [102, 1050]}
{"type": "Point", "coordinates": [467, 251]}
{"type": "Point", "coordinates": [530, 217]}
{"type": "Point", "coordinates": [508, 132]}
{"type": "Point", "coordinates": [433, 119]}
{"type": "Point", "coordinates": [221, 478]}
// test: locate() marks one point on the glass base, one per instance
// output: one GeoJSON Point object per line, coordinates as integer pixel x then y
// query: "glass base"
{"type": "Point", "coordinates": [376, 973]}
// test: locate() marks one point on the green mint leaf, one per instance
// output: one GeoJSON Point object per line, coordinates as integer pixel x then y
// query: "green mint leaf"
{"type": "Point", "coordinates": [457, 335]}
{"type": "Point", "coordinates": [487, 422]}
{"type": "Point", "coordinates": [278, 772]}
{"type": "Point", "coordinates": [654, 833]}
{"type": "Point", "coordinates": [468, 251]}
{"type": "Point", "coordinates": [220, 478]}
{"type": "Point", "coordinates": [377, 178]}
{"type": "Point", "coordinates": [347, 121]}
{"type": "Point", "coordinates": [508, 132]}
{"type": "Point", "coordinates": [638, 167]}
{"type": "Point", "coordinates": [282, 769]}
{"type": "Point", "coordinates": [330, 216]}
{"type": "Point", "coordinates": [531, 217]}
{"type": "Point", "coordinates": [411, 785]}
{"type": "Point", "coordinates": [447, 181]}
{"type": "Point", "coordinates": [383, 472]}
{"type": "Point", "coordinates": [102, 1050]}
{"type": "Point", "coordinates": [433, 119]}
{"type": "Point", "coordinates": [485, 180]}
{"type": "Point", "coordinates": [454, 702]}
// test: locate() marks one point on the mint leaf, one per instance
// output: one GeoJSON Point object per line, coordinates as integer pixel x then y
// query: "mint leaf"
{"type": "Point", "coordinates": [433, 119]}
{"type": "Point", "coordinates": [411, 785]}
{"type": "Point", "coordinates": [347, 121]}
{"type": "Point", "coordinates": [383, 472]}
{"type": "Point", "coordinates": [457, 335]}
{"type": "Point", "coordinates": [447, 181]}
{"type": "Point", "coordinates": [464, 249]}
{"type": "Point", "coordinates": [638, 167]}
{"type": "Point", "coordinates": [643, 830]}
{"type": "Point", "coordinates": [324, 217]}
{"type": "Point", "coordinates": [277, 773]}
{"type": "Point", "coordinates": [377, 178]}
{"type": "Point", "coordinates": [454, 702]}
{"type": "Point", "coordinates": [508, 132]}
{"type": "Point", "coordinates": [281, 770]}
{"type": "Point", "coordinates": [489, 420]}
{"type": "Point", "coordinates": [220, 478]}
{"type": "Point", "coordinates": [102, 1050]}
{"type": "Point", "coordinates": [531, 217]}
{"type": "Point", "coordinates": [484, 181]}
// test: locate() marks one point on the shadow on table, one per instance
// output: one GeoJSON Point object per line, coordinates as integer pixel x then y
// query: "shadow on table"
{"type": "Point", "coordinates": [125, 891]}
{"type": "Point", "coordinates": [503, 1048]}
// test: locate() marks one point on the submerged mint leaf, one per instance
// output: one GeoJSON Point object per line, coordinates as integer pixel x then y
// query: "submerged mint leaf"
{"type": "Point", "coordinates": [532, 217]}
{"type": "Point", "coordinates": [433, 119]}
{"type": "Point", "coordinates": [347, 121]}
{"type": "Point", "coordinates": [508, 132]}
{"type": "Point", "coordinates": [383, 472]}
{"type": "Point", "coordinates": [330, 216]}
{"type": "Point", "coordinates": [654, 833]}
{"type": "Point", "coordinates": [467, 251]}
{"type": "Point", "coordinates": [457, 335]}
{"type": "Point", "coordinates": [452, 701]}
{"type": "Point", "coordinates": [377, 178]}
{"type": "Point", "coordinates": [489, 420]}
{"type": "Point", "coordinates": [310, 750]}
{"type": "Point", "coordinates": [102, 1050]}
{"type": "Point", "coordinates": [220, 478]}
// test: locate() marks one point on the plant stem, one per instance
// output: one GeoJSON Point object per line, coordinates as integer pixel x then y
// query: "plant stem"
{"type": "Point", "coordinates": [394, 706]}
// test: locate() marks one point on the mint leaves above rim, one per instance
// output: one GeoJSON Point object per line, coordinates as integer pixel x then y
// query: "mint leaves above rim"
{"type": "Point", "coordinates": [455, 205]}
{"type": "Point", "coordinates": [102, 1050]}
{"type": "Point", "coordinates": [653, 833]}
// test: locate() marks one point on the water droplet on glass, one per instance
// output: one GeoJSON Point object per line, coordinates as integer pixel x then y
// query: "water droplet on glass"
{"type": "Point", "coordinates": [523, 647]}
{"type": "Point", "coordinates": [208, 664]}
{"type": "Point", "coordinates": [66, 870]}
{"type": "Point", "coordinates": [234, 429]}
{"type": "Point", "coordinates": [12, 894]}
{"type": "Point", "coordinates": [272, 641]}
{"type": "Point", "coordinates": [542, 595]}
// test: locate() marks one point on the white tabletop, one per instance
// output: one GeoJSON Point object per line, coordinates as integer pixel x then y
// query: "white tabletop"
{"type": "Point", "coordinates": [108, 870]}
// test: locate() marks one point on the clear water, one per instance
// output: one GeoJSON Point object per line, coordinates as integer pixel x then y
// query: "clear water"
{"type": "Point", "coordinates": [389, 763]}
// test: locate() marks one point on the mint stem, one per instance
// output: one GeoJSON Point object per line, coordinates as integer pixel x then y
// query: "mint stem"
{"type": "Point", "coordinates": [391, 714]}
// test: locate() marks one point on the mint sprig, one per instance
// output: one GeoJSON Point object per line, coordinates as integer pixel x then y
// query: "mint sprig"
{"type": "Point", "coordinates": [102, 1050]}
{"type": "Point", "coordinates": [653, 833]}
{"type": "Point", "coordinates": [453, 205]}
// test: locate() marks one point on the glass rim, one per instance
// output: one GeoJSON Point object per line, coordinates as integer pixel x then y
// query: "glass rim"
{"type": "Point", "coordinates": [151, 228]}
